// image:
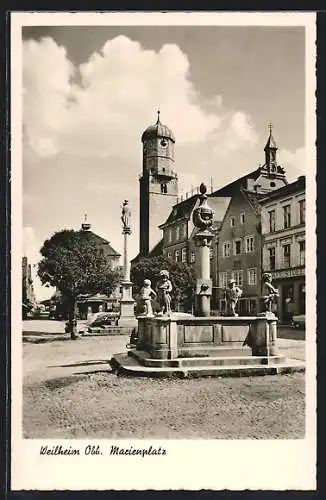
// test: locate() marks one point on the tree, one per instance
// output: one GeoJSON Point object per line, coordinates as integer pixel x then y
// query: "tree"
{"type": "Point", "coordinates": [74, 264]}
{"type": "Point", "coordinates": [181, 276]}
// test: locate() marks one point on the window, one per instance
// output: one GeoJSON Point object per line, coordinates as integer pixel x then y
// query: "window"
{"type": "Point", "coordinates": [286, 255]}
{"type": "Point", "coordinates": [192, 257]}
{"type": "Point", "coordinates": [177, 233]}
{"type": "Point", "coordinates": [302, 253]}
{"type": "Point", "coordinates": [252, 276]}
{"type": "Point", "coordinates": [177, 255]}
{"type": "Point", "coordinates": [183, 230]}
{"type": "Point", "coordinates": [272, 184]}
{"type": "Point", "coordinates": [226, 249]}
{"type": "Point", "coordinates": [169, 255]}
{"type": "Point", "coordinates": [237, 276]}
{"type": "Point", "coordinates": [242, 218]}
{"type": "Point", "coordinates": [211, 253]}
{"type": "Point", "coordinates": [287, 216]}
{"type": "Point", "coordinates": [184, 255]}
{"type": "Point", "coordinates": [237, 247]}
{"type": "Point", "coordinates": [250, 244]}
{"type": "Point", "coordinates": [302, 211]}
{"type": "Point", "coordinates": [272, 258]}
{"type": "Point", "coordinates": [232, 221]}
{"type": "Point", "coordinates": [223, 279]}
{"type": "Point", "coordinates": [169, 235]}
{"type": "Point", "coordinates": [164, 188]}
{"type": "Point", "coordinates": [271, 216]}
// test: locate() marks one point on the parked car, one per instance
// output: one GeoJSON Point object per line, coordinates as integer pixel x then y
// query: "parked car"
{"type": "Point", "coordinates": [299, 321]}
{"type": "Point", "coordinates": [98, 320]}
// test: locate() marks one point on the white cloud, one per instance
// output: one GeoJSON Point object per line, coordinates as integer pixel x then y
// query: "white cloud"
{"type": "Point", "coordinates": [120, 87]}
{"type": "Point", "coordinates": [293, 162]}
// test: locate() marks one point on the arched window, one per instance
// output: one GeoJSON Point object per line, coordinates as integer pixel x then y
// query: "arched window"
{"type": "Point", "coordinates": [164, 188]}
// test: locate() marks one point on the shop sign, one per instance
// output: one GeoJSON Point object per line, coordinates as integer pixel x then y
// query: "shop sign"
{"type": "Point", "coordinates": [288, 273]}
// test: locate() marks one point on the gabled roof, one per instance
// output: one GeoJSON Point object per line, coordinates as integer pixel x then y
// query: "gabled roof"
{"type": "Point", "coordinates": [229, 189]}
{"type": "Point", "coordinates": [253, 199]}
{"type": "Point", "coordinates": [98, 240]}
{"type": "Point", "coordinates": [290, 188]}
{"type": "Point", "coordinates": [157, 249]}
{"type": "Point", "coordinates": [181, 210]}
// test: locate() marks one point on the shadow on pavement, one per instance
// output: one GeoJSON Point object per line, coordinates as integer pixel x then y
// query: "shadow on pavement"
{"type": "Point", "coordinates": [44, 340]}
{"type": "Point", "coordinates": [82, 363]}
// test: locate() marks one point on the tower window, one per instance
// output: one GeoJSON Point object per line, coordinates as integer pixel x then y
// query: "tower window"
{"type": "Point", "coordinates": [272, 184]}
{"type": "Point", "coordinates": [164, 188]}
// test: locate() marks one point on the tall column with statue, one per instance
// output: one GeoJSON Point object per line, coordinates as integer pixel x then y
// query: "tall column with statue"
{"type": "Point", "coordinates": [127, 317]}
{"type": "Point", "coordinates": [203, 220]}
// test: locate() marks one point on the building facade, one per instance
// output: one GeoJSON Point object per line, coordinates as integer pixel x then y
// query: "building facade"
{"type": "Point", "coordinates": [28, 295]}
{"type": "Point", "coordinates": [239, 245]}
{"type": "Point", "coordinates": [284, 246]}
{"type": "Point", "coordinates": [158, 184]}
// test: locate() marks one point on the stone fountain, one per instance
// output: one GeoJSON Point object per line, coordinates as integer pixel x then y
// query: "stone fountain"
{"type": "Point", "coordinates": [181, 344]}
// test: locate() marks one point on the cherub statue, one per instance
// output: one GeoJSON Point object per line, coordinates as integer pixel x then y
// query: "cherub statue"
{"type": "Point", "coordinates": [146, 294]}
{"type": "Point", "coordinates": [233, 293]}
{"type": "Point", "coordinates": [125, 215]}
{"type": "Point", "coordinates": [270, 293]}
{"type": "Point", "coordinates": [163, 288]}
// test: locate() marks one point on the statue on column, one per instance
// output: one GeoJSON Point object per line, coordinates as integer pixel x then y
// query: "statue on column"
{"type": "Point", "coordinates": [233, 293]}
{"type": "Point", "coordinates": [270, 293]}
{"type": "Point", "coordinates": [126, 215]}
{"type": "Point", "coordinates": [164, 288]}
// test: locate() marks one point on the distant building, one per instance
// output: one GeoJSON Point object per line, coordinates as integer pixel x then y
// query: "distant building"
{"type": "Point", "coordinates": [112, 255]}
{"type": "Point", "coordinates": [284, 245]}
{"type": "Point", "coordinates": [239, 239]}
{"type": "Point", "coordinates": [178, 232]}
{"type": "Point", "coordinates": [28, 296]}
{"type": "Point", "coordinates": [89, 302]}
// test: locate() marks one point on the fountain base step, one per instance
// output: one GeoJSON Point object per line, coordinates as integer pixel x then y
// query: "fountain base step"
{"type": "Point", "coordinates": [136, 363]}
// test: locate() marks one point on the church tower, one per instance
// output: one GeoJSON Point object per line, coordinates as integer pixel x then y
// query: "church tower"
{"type": "Point", "coordinates": [158, 183]}
{"type": "Point", "coordinates": [271, 175]}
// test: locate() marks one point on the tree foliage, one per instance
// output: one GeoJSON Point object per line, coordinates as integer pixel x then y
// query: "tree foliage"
{"type": "Point", "coordinates": [181, 276]}
{"type": "Point", "coordinates": [74, 264]}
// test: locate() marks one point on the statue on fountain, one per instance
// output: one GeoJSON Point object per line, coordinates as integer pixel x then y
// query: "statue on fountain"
{"type": "Point", "coordinates": [146, 295]}
{"type": "Point", "coordinates": [270, 293]}
{"type": "Point", "coordinates": [233, 293]}
{"type": "Point", "coordinates": [203, 215]}
{"type": "Point", "coordinates": [164, 288]}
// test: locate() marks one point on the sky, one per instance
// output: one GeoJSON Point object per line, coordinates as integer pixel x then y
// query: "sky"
{"type": "Point", "coordinates": [89, 93]}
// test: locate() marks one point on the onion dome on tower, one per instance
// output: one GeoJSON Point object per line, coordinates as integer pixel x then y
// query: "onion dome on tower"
{"type": "Point", "coordinates": [158, 130]}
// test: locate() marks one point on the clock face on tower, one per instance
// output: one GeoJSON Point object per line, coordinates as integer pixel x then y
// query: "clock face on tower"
{"type": "Point", "coordinates": [164, 143]}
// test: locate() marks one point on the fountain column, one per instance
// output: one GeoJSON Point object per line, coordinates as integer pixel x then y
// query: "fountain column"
{"type": "Point", "coordinates": [203, 219]}
{"type": "Point", "coordinates": [127, 317]}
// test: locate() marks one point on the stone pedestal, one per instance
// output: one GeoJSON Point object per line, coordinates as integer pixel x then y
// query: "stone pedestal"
{"type": "Point", "coordinates": [127, 316]}
{"type": "Point", "coordinates": [185, 345]}
{"type": "Point", "coordinates": [264, 335]}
